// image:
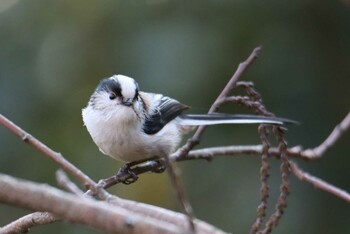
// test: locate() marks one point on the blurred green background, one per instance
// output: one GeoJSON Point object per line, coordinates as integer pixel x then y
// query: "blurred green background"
{"type": "Point", "coordinates": [53, 54]}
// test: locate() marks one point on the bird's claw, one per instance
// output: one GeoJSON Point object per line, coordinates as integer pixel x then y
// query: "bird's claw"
{"type": "Point", "coordinates": [125, 171]}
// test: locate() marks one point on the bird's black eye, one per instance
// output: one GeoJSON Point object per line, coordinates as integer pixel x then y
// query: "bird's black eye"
{"type": "Point", "coordinates": [112, 96]}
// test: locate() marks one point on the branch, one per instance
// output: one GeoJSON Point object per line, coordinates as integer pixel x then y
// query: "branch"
{"type": "Point", "coordinates": [318, 183]}
{"type": "Point", "coordinates": [39, 218]}
{"type": "Point", "coordinates": [48, 152]}
{"type": "Point", "coordinates": [120, 216]}
{"type": "Point", "coordinates": [157, 212]}
{"type": "Point", "coordinates": [163, 214]}
{"type": "Point", "coordinates": [335, 135]}
{"type": "Point", "coordinates": [182, 197]}
{"type": "Point", "coordinates": [23, 224]}
{"type": "Point", "coordinates": [242, 67]}
{"type": "Point", "coordinates": [66, 183]}
{"type": "Point", "coordinates": [75, 209]}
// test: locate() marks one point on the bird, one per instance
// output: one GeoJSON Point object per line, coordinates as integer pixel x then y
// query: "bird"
{"type": "Point", "coordinates": [130, 125]}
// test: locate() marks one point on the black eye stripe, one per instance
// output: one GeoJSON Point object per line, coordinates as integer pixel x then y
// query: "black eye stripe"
{"type": "Point", "coordinates": [136, 94]}
{"type": "Point", "coordinates": [136, 90]}
{"type": "Point", "coordinates": [110, 85]}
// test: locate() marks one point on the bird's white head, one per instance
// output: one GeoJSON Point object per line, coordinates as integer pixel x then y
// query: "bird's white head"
{"type": "Point", "coordinates": [116, 91]}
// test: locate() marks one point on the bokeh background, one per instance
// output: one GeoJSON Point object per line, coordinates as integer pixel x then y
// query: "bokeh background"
{"type": "Point", "coordinates": [53, 54]}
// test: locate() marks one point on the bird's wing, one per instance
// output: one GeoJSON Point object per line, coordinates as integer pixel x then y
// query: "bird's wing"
{"type": "Point", "coordinates": [162, 110]}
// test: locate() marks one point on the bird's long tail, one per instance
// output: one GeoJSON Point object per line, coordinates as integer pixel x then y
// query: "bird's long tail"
{"type": "Point", "coordinates": [219, 118]}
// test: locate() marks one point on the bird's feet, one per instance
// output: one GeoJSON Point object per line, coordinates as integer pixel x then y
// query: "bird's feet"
{"type": "Point", "coordinates": [127, 175]}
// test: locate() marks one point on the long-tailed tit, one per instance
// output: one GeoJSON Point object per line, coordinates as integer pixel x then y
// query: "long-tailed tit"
{"type": "Point", "coordinates": [130, 125]}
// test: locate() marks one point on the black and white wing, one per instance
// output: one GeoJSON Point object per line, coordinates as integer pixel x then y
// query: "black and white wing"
{"type": "Point", "coordinates": [161, 111]}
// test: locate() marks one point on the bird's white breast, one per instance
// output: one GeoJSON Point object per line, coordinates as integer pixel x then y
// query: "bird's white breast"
{"type": "Point", "coordinates": [120, 135]}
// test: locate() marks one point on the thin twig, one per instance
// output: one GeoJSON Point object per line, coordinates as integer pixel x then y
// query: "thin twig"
{"type": "Point", "coordinates": [48, 152]}
{"type": "Point", "coordinates": [211, 152]}
{"type": "Point", "coordinates": [23, 224]}
{"type": "Point", "coordinates": [330, 141]}
{"type": "Point", "coordinates": [319, 183]}
{"type": "Point", "coordinates": [65, 182]}
{"type": "Point", "coordinates": [182, 197]}
{"type": "Point", "coordinates": [194, 140]}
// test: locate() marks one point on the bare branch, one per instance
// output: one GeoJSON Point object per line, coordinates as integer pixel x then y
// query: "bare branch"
{"type": "Point", "coordinates": [48, 152]}
{"type": "Point", "coordinates": [163, 214]}
{"type": "Point", "coordinates": [211, 152]}
{"type": "Point", "coordinates": [65, 182]}
{"type": "Point", "coordinates": [319, 183]}
{"type": "Point", "coordinates": [123, 216]}
{"type": "Point", "coordinates": [156, 212]}
{"type": "Point", "coordinates": [335, 135]}
{"type": "Point", "coordinates": [242, 67]}
{"type": "Point", "coordinates": [23, 224]}
{"type": "Point", "coordinates": [176, 179]}
{"type": "Point", "coordinates": [75, 209]}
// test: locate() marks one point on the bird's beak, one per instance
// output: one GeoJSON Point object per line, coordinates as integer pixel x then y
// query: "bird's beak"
{"type": "Point", "coordinates": [127, 102]}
